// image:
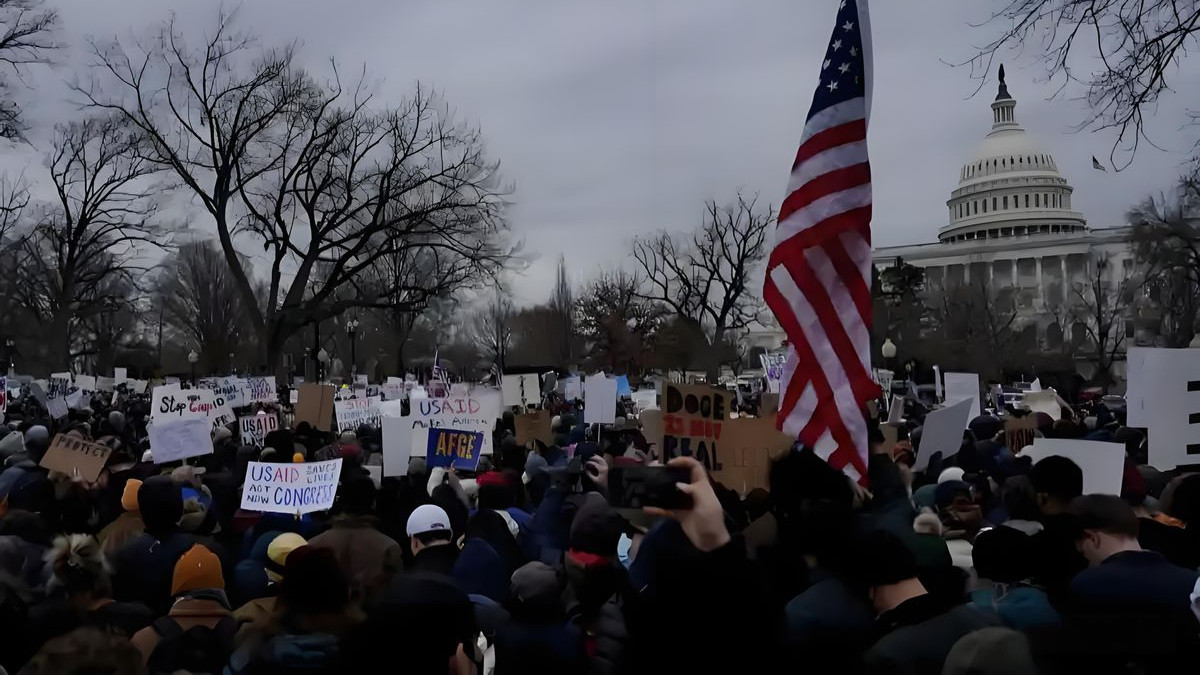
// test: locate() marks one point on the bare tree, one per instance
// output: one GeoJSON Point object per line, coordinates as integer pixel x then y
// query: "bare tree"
{"type": "Point", "coordinates": [1167, 244]}
{"type": "Point", "coordinates": [94, 232]}
{"type": "Point", "coordinates": [1140, 45]}
{"type": "Point", "coordinates": [200, 304]}
{"type": "Point", "coordinates": [492, 330]}
{"type": "Point", "coordinates": [562, 316]}
{"type": "Point", "coordinates": [26, 38]}
{"type": "Point", "coordinates": [978, 326]}
{"type": "Point", "coordinates": [325, 184]}
{"type": "Point", "coordinates": [707, 279]}
{"type": "Point", "coordinates": [618, 324]}
{"type": "Point", "coordinates": [1101, 305]}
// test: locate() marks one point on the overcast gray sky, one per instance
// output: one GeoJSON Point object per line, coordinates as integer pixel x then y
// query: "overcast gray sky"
{"type": "Point", "coordinates": [619, 117]}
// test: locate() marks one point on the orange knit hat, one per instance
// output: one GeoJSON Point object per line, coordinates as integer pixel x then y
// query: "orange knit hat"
{"type": "Point", "coordinates": [129, 500]}
{"type": "Point", "coordinates": [198, 568]}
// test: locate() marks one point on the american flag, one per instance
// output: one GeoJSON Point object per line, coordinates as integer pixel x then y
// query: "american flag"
{"type": "Point", "coordinates": [437, 373]}
{"type": "Point", "coordinates": [818, 281]}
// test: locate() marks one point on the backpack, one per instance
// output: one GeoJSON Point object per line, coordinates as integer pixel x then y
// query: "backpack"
{"type": "Point", "coordinates": [199, 649]}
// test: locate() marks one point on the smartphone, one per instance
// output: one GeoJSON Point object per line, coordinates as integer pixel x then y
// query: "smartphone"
{"type": "Point", "coordinates": [632, 487]}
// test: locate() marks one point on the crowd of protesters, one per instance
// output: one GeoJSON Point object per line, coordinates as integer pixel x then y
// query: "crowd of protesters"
{"type": "Point", "coordinates": [980, 564]}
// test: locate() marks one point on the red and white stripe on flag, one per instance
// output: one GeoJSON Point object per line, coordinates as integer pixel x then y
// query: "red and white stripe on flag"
{"type": "Point", "coordinates": [818, 281]}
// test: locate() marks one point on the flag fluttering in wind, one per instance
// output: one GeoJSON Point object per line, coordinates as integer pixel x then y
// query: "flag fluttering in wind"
{"type": "Point", "coordinates": [818, 281]}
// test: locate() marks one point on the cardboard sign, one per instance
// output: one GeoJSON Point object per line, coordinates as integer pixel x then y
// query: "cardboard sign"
{"type": "Point", "coordinates": [943, 432]}
{"type": "Point", "coordinates": [519, 390]}
{"type": "Point", "coordinates": [254, 428]}
{"type": "Point", "coordinates": [534, 426]}
{"type": "Point", "coordinates": [694, 418]}
{"type": "Point", "coordinates": [600, 400]}
{"type": "Point", "coordinates": [743, 459]}
{"type": "Point", "coordinates": [768, 404]}
{"type": "Point", "coordinates": [176, 439]}
{"type": "Point", "coordinates": [773, 369]}
{"type": "Point", "coordinates": [85, 382]}
{"type": "Point", "coordinates": [357, 411]}
{"type": "Point", "coordinates": [476, 411]}
{"type": "Point", "coordinates": [291, 488]}
{"type": "Point", "coordinates": [1164, 394]}
{"type": "Point", "coordinates": [1103, 464]}
{"type": "Point", "coordinates": [452, 447]}
{"type": "Point", "coordinates": [57, 407]}
{"type": "Point", "coordinates": [963, 386]}
{"type": "Point", "coordinates": [1018, 432]}
{"type": "Point", "coordinates": [1045, 402]}
{"type": "Point", "coordinates": [76, 457]}
{"type": "Point", "coordinates": [314, 404]}
{"type": "Point", "coordinates": [891, 436]}
{"type": "Point", "coordinates": [261, 390]}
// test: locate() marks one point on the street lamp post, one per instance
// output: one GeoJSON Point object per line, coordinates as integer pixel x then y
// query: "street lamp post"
{"type": "Point", "coordinates": [322, 359]}
{"type": "Point", "coordinates": [193, 357]}
{"type": "Point", "coordinates": [352, 331]}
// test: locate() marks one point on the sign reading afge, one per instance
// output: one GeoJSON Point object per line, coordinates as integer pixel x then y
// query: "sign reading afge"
{"type": "Point", "coordinates": [255, 428]}
{"type": "Point", "coordinates": [693, 417]}
{"type": "Point", "coordinates": [291, 488]}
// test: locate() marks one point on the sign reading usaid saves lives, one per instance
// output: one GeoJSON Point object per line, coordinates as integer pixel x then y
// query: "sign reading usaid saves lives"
{"type": "Point", "coordinates": [291, 488]}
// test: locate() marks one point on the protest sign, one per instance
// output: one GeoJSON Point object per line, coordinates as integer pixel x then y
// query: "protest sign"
{"type": "Point", "coordinates": [1141, 365]}
{"type": "Point", "coordinates": [623, 388]}
{"type": "Point", "coordinates": [170, 402]}
{"type": "Point", "coordinates": [119, 376]}
{"type": "Point", "coordinates": [356, 412]}
{"type": "Point", "coordinates": [59, 384]}
{"type": "Point", "coordinates": [645, 399]}
{"type": "Point", "coordinates": [74, 456]}
{"type": "Point", "coordinates": [600, 400]}
{"type": "Point", "coordinates": [571, 388]}
{"type": "Point", "coordinates": [452, 448]}
{"type": "Point", "coordinates": [1167, 401]}
{"type": "Point", "coordinates": [772, 364]}
{"type": "Point", "coordinates": [534, 426]}
{"type": "Point", "coordinates": [1045, 402]}
{"type": "Point", "coordinates": [518, 390]}
{"type": "Point", "coordinates": [38, 390]}
{"type": "Point", "coordinates": [891, 436]}
{"type": "Point", "coordinates": [57, 407]}
{"type": "Point", "coordinates": [652, 429]}
{"type": "Point", "coordinates": [937, 382]}
{"type": "Point", "coordinates": [291, 488]}
{"type": "Point", "coordinates": [477, 410]}
{"type": "Point", "coordinates": [176, 439]}
{"type": "Point", "coordinates": [254, 428]}
{"type": "Point", "coordinates": [105, 383]}
{"type": "Point", "coordinates": [315, 405]}
{"type": "Point", "coordinates": [3, 394]}
{"type": "Point", "coordinates": [261, 390]}
{"type": "Point", "coordinates": [768, 404]}
{"type": "Point", "coordinates": [1018, 432]}
{"type": "Point", "coordinates": [943, 432]}
{"type": "Point", "coordinates": [1036, 385]}
{"type": "Point", "coordinates": [393, 391]}
{"type": "Point", "coordinates": [85, 383]}
{"type": "Point", "coordinates": [75, 400]}
{"type": "Point", "coordinates": [397, 434]}
{"type": "Point", "coordinates": [963, 386]}
{"type": "Point", "coordinates": [293, 396]}
{"type": "Point", "coordinates": [232, 390]}
{"type": "Point", "coordinates": [136, 386]}
{"type": "Point", "coordinates": [884, 377]}
{"type": "Point", "coordinates": [896, 410]}
{"type": "Point", "coordinates": [362, 380]}
{"type": "Point", "coordinates": [1103, 464]}
{"type": "Point", "coordinates": [693, 420]}
{"type": "Point", "coordinates": [747, 448]}
{"type": "Point", "coordinates": [376, 474]}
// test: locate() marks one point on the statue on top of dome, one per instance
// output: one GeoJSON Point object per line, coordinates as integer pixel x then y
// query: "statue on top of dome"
{"type": "Point", "coordinates": [1003, 93]}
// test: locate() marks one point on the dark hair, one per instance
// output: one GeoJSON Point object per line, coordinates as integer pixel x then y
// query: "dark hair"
{"type": "Point", "coordinates": [1003, 554]}
{"type": "Point", "coordinates": [1019, 498]}
{"type": "Point", "coordinates": [1058, 477]}
{"type": "Point", "coordinates": [356, 495]}
{"type": "Point", "coordinates": [1107, 513]}
{"type": "Point", "coordinates": [434, 536]}
{"type": "Point", "coordinates": [1185, 500]}
{"type": "Point", "coordinates": [885, 560]}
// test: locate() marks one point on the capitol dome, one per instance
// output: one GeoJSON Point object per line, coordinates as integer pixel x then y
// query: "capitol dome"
{"type": "Point", "coordinates": [1012, 187]}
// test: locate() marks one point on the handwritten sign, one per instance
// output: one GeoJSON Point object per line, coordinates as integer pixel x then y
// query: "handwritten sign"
{"type": "Point", "coordinates": [1018, 432]}
{"type": "Point", "coordinates": [254, 428]}
{"type": "Point", "coordinates": [355, 412]}
{"type": "Point", "coordinates": [693, 420]}
{"type": "Point", "coordinates": [261, 390]}
{"type": "Point", "coordinates": [747, 448]}
{"type": "Point", "coordinates": [534, 426]}
{"type": "Point", "coordinates": [773, 369]}
{"type": "Point", "coordinates": [453, 447]}
{"type": "Point", "coordinates": [291, 488]}
{"type": "Point", "coordinates": [476, 411]}
{"type": "Point", "coordinates": [520, 389]}
{"type": "Point", "coordinates": [59, 384]}
{"type": "Point", "coordinates": [175, 439]}
{"type": "Point", "coordinates": [170, 402]}
{"type": "Point", "coordinates": [76, 457]}
{"type": "Point", "coordinates": [57, 407]}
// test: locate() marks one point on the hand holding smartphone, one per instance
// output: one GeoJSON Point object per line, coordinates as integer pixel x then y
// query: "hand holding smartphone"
{"type": "Point", "coordinates": [636, 487]}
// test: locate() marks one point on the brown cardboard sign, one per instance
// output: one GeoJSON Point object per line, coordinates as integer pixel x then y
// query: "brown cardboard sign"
{"type": "Point", "coordinates": [768, 404]}
{"type": "Point", "coordinates": [1018, 432]}
{"type": "Point", "coordinates": [747, 448]}
{"type": "Point", "coordinates": [891, 436]}
{"type": "Point", "coordinates": [694, 417]}
{"type": "Point", "coordinates": [652, 429]}
{"type": "Point", "coordinates": [76, 457]}
{"type": "Point", "coordinates": [534, 426]}
{"type": "Point", "coordinates": [314, 404]}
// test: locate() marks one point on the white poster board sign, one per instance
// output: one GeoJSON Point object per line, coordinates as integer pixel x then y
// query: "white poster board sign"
{"type": "Point", "coordinates": [571, 388]}
{"type": "Point", "coordinates": [232, 390]}
{"type": "Point", "coordinates": [600, 400]}
{"type": "Point", "coordinates": [120, 375]}
{"type": "Point", "coordinates": [57, 407]}
{"type": "Point", "coordinates": [477, 410]}
{"type": "Point", "coordinates": [355, 412]}
{"type": "Point", "coordinates": [943, 432]}
{"type": "Point", "coordinates": [291, 488]}
{"type": "Point", "coordinates": [175, 439]}
{"type": "Point", "coordinates": [261, 390]}
{"type": "Point", "coordinates": [1103, 464]}
{"type": "Point", "coordinates": [773, 369]}
{"type": "Point", "coordinates": [254, 428]}
{"type": "Point", "coordinates": [1043, 402]}
{"type": "Point", "coordinates": [1164, 390]}
{"type": "Point", "coordinates": [960, 387]}
{"type": "Point", "coordinates": [519, 390]}
{"type": "Point", "coordinates": [85, 382]}
{"type": "Point", "coordinates": [169, 402]}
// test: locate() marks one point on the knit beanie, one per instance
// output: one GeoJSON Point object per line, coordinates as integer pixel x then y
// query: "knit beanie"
{"type": "Point", "coordinates": [278, 551]}
{"type": "Point", "coordinates": [129, 498]}
{"type": "Point", "coordinates": [197, 569]}
{"type": "Point", "coordinates": [594, 533]}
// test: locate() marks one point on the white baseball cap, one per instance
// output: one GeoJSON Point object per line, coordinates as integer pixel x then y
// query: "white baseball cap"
{"type": "Point", "coordinates": [428, 518]}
